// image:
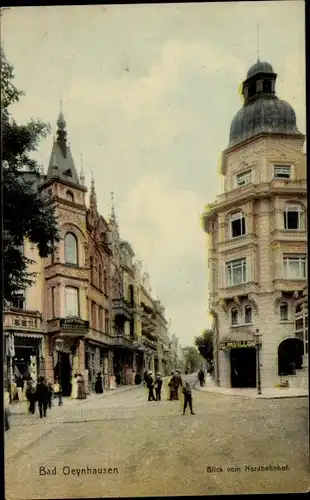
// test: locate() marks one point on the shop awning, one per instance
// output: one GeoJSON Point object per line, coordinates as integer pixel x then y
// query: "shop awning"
{"type": "Point", "coordinates": [238, 338]}
{"type": "Point", "coordinates": [27, 335]}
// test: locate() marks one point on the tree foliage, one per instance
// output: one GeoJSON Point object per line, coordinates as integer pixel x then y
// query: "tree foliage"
{"type": "Point", "coordinates": [192, 359]}
{"type": "Point", "coordinates": [26, 213]}
{"type": "Point", "coordinates": [204, 342]}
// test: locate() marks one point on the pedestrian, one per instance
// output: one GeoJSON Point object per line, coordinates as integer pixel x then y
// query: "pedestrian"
{"type": "Point", "coordinates": [74, 387]}
{"type": "Point", "coordinates": [133, 376]}
{"type": "Point", "coordinates": [145, 377]}
{"type": "Point", "coordinates": [42, 396]}
{"type": "Point", "coordinates": [50, 388]}
{"type": "Point", "coordinates": [150, 386]}
{"type": "Point", "coordinates": [30, 395]}
{"type": "Point", "coordinates": [171, 385]}
{"type": "Point", "coordinates": [98, 384]}
{"type": "Point", "coordinates": [201, 377]}
{"type": "Point", "coordinates": [20, 387]}
{"type": "Point", "coordinates": [58, 391]}
{"type": "Point", "coordinates": [112, 382]}
{"type": "Point", "coordinates": [81, 393]}
{"type": "Point", "coordinates": [177, 384]}
{"type": "Point", "coordinates": [158, 386]}
{"type": "Point", "coordinates": [188, 400]}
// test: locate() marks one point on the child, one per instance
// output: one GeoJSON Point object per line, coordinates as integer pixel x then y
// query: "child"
{"type": "Point", "coordinates": [188, 400]}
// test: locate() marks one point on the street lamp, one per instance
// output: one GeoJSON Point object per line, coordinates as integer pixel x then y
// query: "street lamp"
{"type": "Point", "coordinates": [258, 344]}
{"type": "Point", "coordinates": [59, 345]}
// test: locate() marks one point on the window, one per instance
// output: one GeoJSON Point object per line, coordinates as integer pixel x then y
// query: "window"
{"type": "Point", "coordinates": [282, 172]}
{"type": "Point", "coordinates": [234, 316]}
{"type": "Point", "coordinates": [100, 276]}
{"type": "Point", "coordinates": [105, 281]}
{"type": "Point", "coordinates": [248, 314]}
{"type": "Point", "coordinates": [100, 318]}
{"type": "Point", "coordinates": [72, 302]}
{"type": "Point", "coordinates": [91, 265]}
{"type": "Point", "coordinates": [295, 267]}
{"type": "Point", "coordinates": [106, 325]}
{"type": "Point", "coordinates": [244, 178]}
{"type": "Point", "coordinates": [292, 217]}
{"type": "Point", "coordinates": [283, 311]}
{"type": "Point", "coordinates": [237, 224]}
{"type": "Point", "coordinates": [53, 301]}
{"type": "Point", "coordinates": [69, 196]}
{"type": "Point", "coordinates": [71, 249]}
{"type": "Point", "coordinates": [18, 301]}
{"type": "Point", "coordinates": [236, 272]}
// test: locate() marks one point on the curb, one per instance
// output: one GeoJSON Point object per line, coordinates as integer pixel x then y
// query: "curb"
{"type": "Point", "coordinates": [255, 396]}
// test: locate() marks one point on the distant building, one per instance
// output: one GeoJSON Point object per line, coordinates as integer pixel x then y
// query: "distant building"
{"type": "Point", "coordinates": [257, 243]}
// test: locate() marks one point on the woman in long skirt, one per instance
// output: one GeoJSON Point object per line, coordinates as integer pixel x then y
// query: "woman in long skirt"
{"type": "Point", "coordinates": [112, 382]}
{"type": "Point", "coordinates": [74, 387]}
{"type": "Point", "coordinates": [98, 384]}
{"type": "Point", "coordinates": [81, 393]}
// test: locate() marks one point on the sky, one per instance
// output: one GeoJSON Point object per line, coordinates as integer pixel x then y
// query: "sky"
{"type": "Point", "coordinates": [149, 92]}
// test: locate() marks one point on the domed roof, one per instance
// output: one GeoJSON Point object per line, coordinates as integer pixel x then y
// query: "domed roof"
{"type": "Point", "coordinates": [259, 67]}
{"type": "Point", "coordinates": [263, 115]}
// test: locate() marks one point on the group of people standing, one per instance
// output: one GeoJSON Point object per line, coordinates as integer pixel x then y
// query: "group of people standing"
{"type": "Point", "coordinates": [152, 384]}
{"type": "Point", "coordinates": [42, 394]}
{"type": "Point", "coordinates": [78, 390]}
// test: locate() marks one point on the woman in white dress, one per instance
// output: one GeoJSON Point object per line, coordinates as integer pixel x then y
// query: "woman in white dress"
{"type": "Point", "coordinates": [112, 382]}
{"type": "Point", "coordinates": [74, 389]}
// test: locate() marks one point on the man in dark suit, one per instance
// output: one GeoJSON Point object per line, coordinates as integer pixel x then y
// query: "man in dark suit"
{"type": "Point", "coordinates": [42, 396]}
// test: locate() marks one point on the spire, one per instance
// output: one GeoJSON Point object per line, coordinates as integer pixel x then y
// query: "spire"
{"type": "Point", "coordinates": [112, 216]}
{"type": "Point", "coordinates": [93, 197]}
{"type": "Point", "coordinates": [61, 132]}
{"type": "Point", "coordinates": [82, 176]}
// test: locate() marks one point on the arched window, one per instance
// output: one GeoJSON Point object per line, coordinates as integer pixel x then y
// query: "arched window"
{"type": "Point", "coordinates": [69, 196]}
{"type": "Point", "coordinates": [248, 314]}
{"type": "Point", "coordinates": [71, 249]}
{"type": "Point", "coordinates": [131, 295]}
{"type": "Point", "coordinates": [100, 276]}
{"type": "Point", "coordinates": [237, 224]}
{"type": "Point", "coordinates": [283, 311]}
{"type": "Point", "coordinates": [72, 302]}
{"type": "Point", "coordinates": [234, 316]}
{"type": "Point", "coordinates": [105, 281]}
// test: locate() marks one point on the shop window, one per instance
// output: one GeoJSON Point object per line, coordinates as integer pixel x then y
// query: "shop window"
{"type": "Point", "coordinates": [71, 249]}
{"type": "Point", "coordinates": [283, 311]}
{"type": "Point", "coordinates": [234, 316]}
{"type": "Point", "coordinates": [248, 314]}
{"type": "Point", "coordinates": [72, 302]}
{"type": "Point", "coordinates": [237, 224]}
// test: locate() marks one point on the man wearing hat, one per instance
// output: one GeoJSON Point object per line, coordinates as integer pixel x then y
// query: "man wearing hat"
{"type": "Point", "coordinates": [158, 386]}
{"type": "Point", "coordinates": [150, 386]}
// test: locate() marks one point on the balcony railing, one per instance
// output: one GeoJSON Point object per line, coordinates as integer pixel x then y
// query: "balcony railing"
{"type": "Point", "coordinates": [72, 327]}
{"type": "Point", "coordinates": [122, 308]}
{"type": "Point", "coordinates": [22, 320]}
{"type": "Point", "coordinates": [240, 290]}
{"type": "Point", "coordinates": [285, 285]}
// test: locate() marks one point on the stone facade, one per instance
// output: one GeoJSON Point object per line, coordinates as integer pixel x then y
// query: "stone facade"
{"type": "Point", "coordinates": [248, 227]}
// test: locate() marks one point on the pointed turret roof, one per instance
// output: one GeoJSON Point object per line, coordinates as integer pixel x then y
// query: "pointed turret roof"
{"type": "Point", "coordinates": [93, 196]}
{"type": "Point", "coordinates": [61, 163]}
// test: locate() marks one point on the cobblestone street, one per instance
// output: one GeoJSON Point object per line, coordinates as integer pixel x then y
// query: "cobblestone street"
{"type": "Point", "coordinates": [156, 450]}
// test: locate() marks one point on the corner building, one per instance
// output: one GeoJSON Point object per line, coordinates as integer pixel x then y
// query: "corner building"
{"type": "Point", "coordinates": [257, 243]}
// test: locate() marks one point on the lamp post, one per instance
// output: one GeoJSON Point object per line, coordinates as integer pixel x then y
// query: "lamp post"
{"type": "Point", "coordinates": [58, 345]}
{"type": "Point", "coordinates": [258, 346]}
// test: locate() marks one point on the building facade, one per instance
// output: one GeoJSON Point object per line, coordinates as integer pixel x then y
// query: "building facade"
{"type": "Point", "coordinates": [89, 309]}
{"type": "Point", "coordinates": [257, 242]}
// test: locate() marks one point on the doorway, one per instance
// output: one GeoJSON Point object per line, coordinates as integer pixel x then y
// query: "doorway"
{"type": "Point", "coordinates": [63, 371]}
{"type": "Point", "coordinates": [290, 354]}
{"type": "Point", "coordinates": [243, 367]}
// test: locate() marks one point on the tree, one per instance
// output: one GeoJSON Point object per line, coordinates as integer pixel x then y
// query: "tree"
{"type": "Point", "coordinates": [26, 213]}
{"type": "Point", "coordinates": [192, 359]}
{"type": "Point", "coordinates": [204, 342]}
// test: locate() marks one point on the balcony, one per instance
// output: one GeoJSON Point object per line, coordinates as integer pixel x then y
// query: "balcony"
{"type": "Point", "coordinates": [247, 240]}
{"type": "Point", "coordinates": [240, 290]}
{"type": "Point", "coordinates": [121, 341]}
{"type": "Point", "coordinates": [285, 285]}
{"type": "Point", "coordinates": [152, 344]}
{"type": "Point", "coordinates": [121, 309]}
{"type": "Point", "coordinates": [68, 327]}
{"type": "Point", "coordinates": [22, 320]}
{"type": "Point", "coordinates": [290, 235]}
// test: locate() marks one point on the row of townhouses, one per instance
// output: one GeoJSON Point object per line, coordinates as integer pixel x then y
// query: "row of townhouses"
{"type": "Point", "coordinates": [257, 244]}
{"type": "Point", "coordinates": [90, 309]}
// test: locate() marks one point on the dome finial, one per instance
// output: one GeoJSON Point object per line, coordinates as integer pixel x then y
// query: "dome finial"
{"type": "Point", "coordinates": [93, 197]}
{"type": "Point", "coordinates": [112, 216]}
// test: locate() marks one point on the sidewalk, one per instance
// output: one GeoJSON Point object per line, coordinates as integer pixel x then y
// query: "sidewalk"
{"type": "Point", "coordinates": [270, 393]}
{"type": "Point", "coordinates": [20, 407]}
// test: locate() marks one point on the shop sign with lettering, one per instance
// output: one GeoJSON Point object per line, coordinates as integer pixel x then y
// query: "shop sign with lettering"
{"type": "Point", "coordinates": [236, 345]}
{"type": "Point", "coordinates": [73, 324]}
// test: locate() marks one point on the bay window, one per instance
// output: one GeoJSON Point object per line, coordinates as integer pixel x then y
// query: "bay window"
{"type": "Point", "coordinates": [295, 267]}
{"type": "Point", "coordinates": [236, 272]}
{"type": "Point", "coordinates": [72, 302]}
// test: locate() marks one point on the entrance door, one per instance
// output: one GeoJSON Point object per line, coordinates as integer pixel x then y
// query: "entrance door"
{"type": "Point", "coordinates": [243, 367]}
{"type": "Point", "coordinates": [63, 371]}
